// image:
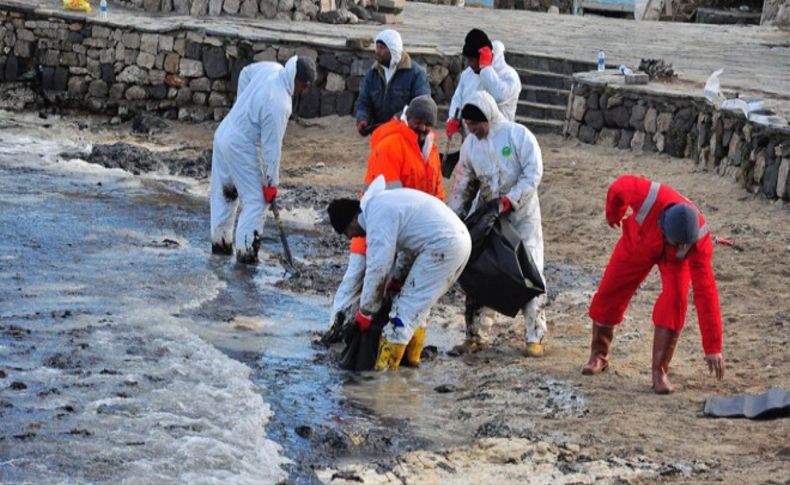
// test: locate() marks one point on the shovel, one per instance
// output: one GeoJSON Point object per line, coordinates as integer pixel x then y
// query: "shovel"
{"type": "Point", "coordinates": [449, 161]}
{"type": "Point", "coordinates": [289, 260]}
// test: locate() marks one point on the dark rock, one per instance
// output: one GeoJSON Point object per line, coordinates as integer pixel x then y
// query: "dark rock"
{"type": "Point", "coordinates": [617, 116]}
{"type": "Point", "coordinates": [214, 62]}
{"type": "Point", "coordinates": [328, 100]}
{"type": "Point", "coordinates": [353, 83]}
{"type": "Point", "coordinates": [17, 386]}
{"type": "Point", "coordinates": [310, 104]}
{"type": "Point", "coordinates": [345, 103]}
{"type": "Point", "coordinates": [193, 51]}
{"type": "Point", "coordinates": [48, 78]}
{"type": "Point", "coordinates": [625, 139]}
{"type": "Point", "coordinates": [650, 144]}
{"type": "Point", "coordinates": [107, 73]}
{"type": "Point", "coordinates": [147, 124]}
{"type": "Point", "coordinates": [304, 431]}
{"type": "Point", "coordinates": [456, 65]}
{"type": "Point", "coordinates": [235, 72]}
{"type": "Point", "coordinates": [587, 134]}
{"type": "Point", "coordinates": [770, 178]}
{"type": "Point", "coordinates": [11, 68]}
{"type": "Point", "coordinates": [592, 101]}
{"type": "Point", "coordinates": [637, 120]}
{"type": "Point", "coordinates": [361, 12]}
{"type": "Point", "coordinates": [496, 428]}
{"type": "Point", "coordinates": [75, 38]}
{"type": "Point", "coordinates": [61, 79]}
{"type": "Point", "coordinates": [330, 63]}
{"type": "Point", "coordinates": [429, 353]}
{"type": "Point", "coordinates": [158, 91]}
{"type": "Point", "coordinates": [445, 388]}
{"type": "Point", "coordinates": [594, 119]}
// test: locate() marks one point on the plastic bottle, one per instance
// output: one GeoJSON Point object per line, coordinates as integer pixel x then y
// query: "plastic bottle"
{"type": "Point", "coordinates": [601, 60]}
{"type": "Point", "coordinates": [624, 70]}
{"type": "Point", "coordinates": [103, 9]}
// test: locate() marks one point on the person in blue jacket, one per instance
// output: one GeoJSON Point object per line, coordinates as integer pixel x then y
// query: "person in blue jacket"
{"type": "Point", "coordinates": [390, 84]}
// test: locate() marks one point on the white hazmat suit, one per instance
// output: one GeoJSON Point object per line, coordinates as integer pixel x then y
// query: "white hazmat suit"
{"type": "Point", "coordinates": [260, 114]}
{"type": "Point", "coordinates": [499, 80]}
{"type": "Point", "coordinates": [410, 221]}
{"type": "Point", "coordinates": [507, 163]}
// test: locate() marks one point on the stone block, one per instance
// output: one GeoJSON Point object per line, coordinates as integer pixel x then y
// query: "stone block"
{"type": "Point", "coordinates": [770, 179]}
{"type": "Point", "coordinates": [659, 139]}
{"type": "Point", "coordinates": [638, 141]}
{"type": "Point", "coordinates": [663, 122]}
{"type": "Point", "coordinates": [198, 8]}
{"type": "Point", "coordinates": [77, 87]}
{"type": "Point", "coordinates": [133, 75]}
{"type": "Point", "coordinates": [783, 184]}
{"type": "Point", "coordinates": [149, 43]}
{"type": "Point", "coordinates": [285, 6]}
{"type": "Point", "coordinates": [167, 6]}
{"type": "Point", "coordinates": [437, 74]}
{"type": "Point", "coordinates": [578, 107]}
{"type": "Point", "coordinates": [624, 142]}
{"type": "Point", "coordinates": [47, 78]}
{"type": "Point", "coordinates": [166, 43]}
{"type": "Point", "coordinates": [651, 120]}
{"type": "Point", "coordinates": [184, 97]}
{"type": "Point", "coordinates": [268, 8]}
{"type": "Point", "coordinates": [249, 8]}
{"type": "Point", "coordinates": [215, 7]}
{"type": "Point", "coordinates": [310, 104]}
{"type": "Point", "coordinates": [98, 89]}
{"type": "Point", "coordinates": [387, 18]}
{"type": "Point", "coordinates": [608, 137]}
{"type": "Point", "coordinates": [345, 103]}
{"type": "Point", "coordinates": [25, 35]}
{"type": "Point", "coordinates": [330, 63]}
{"type": "Point", "coordinates": [613, 102]}
{"type": "Point", "coordinates": [269, 54]}
{"type": "Point", "coordinates": [158, 92]}
{"type": "Point", "coordinates": [594, 119]}
{"type": "Point", "coordinates": [23, 49]}
{"type": "Point", "coordinates": [360, 66]}
{"type": "Point", "coordinates": [231, 6]}
{"type": "Point", "coordinates": [107, 56]}
{"type": "Point", "coordinates": [587, 134]}
{"type": "Point", "coordinates": [120, 52]}
{"type": "Point", "coordinates": [199, 98]}
{"type": "Point", "coordinates": [136, 93]}
{"type": "Point", "coordinates": [335, 82]}
{"type": "Point", "coordinates": [146, 60]}
{"type": "Point", "coordinates": [391, 5]}
{"type": "Point", "coordinates": [180, 46]}
{"type": "Point", "coordinates": [100, 32]}
{"type": "Point", "coordinates": [94, 68]}
{"type": "Point", "coordinates": [328, 101]}
{"type": "Point", "coordinates": [219, 86]}
{"type": "Point", "coordinates": [152, 6]}
{"type": "Point", "coordinates": [617, 116]}
{"type": "Point", "coordinates": [175, 81]}
{"type": "Point", "coordinates": [637, 78]}
{"type": "Point", "coordinates": [116, 91]}
{"type": "Point", "coordinates": [637, 120]}
{"type": "Point", "coordinates": [353, 83]}
{"type": "Point", "coordinates": [190, 68]}
{"type": "Point", "coordinates": [107, 73]}
{"type": "Point", "coordinates": [160, 61]}
{"type": "Point", "coordinates": [131, 40]}
{"type": "Point", "coordinates": [156, 76]}
{"type": "Point", "coordinates": [201, 85]}
{"type": "Point", "coordinates": [573, 128]}
{"type": "Point", "coordinates": [215, 63]}
{"type": "Point", "coordinates": [51, 58]}
{"type": "Point", "coordinates": [650, 143]}
{"type": "Point", "coordinates": [171, 63]}
{"type": "Point", "coordinates": [592, 101]}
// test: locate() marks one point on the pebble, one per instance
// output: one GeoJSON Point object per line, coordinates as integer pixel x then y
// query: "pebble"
{"type": "Point", "coordinates": [542, 448]}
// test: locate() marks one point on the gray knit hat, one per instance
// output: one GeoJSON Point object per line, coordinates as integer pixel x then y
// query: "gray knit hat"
{"type": "Point", "coordinates": [305, 70]}
{"type": "Point", "coordinates": [423, 108]}
{"type": "Point", "coordinates": [680, 224]}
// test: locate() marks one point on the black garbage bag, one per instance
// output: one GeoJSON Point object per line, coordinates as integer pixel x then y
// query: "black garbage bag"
{"type": "Point", "coordinates": [449, 161]}
{"type": "Point", "coordinates": [500, 274]}
{"type": "Point", "coordinates": [362, 348]}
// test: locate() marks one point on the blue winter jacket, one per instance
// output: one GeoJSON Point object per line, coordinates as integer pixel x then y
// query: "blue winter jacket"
{"type": "Point", "coordinates": [379, 102]}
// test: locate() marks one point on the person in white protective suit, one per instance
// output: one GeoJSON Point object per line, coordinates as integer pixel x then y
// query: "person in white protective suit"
{"type": "Point", "coordinates": [500, 161]}
{"type": "Point", "coordinates": [412, 222]}
{"type": "Point", "coordinates": [487, 71]}
{"type": "Point", "coordinates": [259, 115]}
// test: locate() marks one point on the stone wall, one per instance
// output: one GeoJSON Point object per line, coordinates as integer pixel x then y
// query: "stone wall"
{"type": "Point", "coordinates": [186, 75]}
{"type": "Point", "coordinates": [282, 9]}
{"type": "Point", "coordinates": [564, 6]}
{"type": "Point", "coordinates": [681, 125]}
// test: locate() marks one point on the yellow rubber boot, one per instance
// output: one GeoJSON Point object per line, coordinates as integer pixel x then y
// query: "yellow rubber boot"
{"type": "Point", "coordinates": [390, 354]}
{"type": "Point", "coordinates": [535, 349]}
{"type": "Point", "coordinates": [414, 348]}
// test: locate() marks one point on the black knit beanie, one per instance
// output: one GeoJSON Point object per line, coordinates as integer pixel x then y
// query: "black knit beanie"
{"type": "Point", "coordinates": [475, 40]}
{"type": "Point", "coordinates": [341, 213]}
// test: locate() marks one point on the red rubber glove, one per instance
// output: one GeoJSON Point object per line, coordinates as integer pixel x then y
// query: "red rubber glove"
{"type": "Point", "coordinates": [486, 57]}
{"type": "Point", "coordinates": [363, 321]}
{"type": "Point", "coordinates": [269, 193]}
{"type": "Point", "coordinates": [452, 127]}
{"type": "Point", "coordinates": [504, 205]}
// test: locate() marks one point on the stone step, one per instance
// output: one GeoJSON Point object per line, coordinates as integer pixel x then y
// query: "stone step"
{"type": "Point", "coordinates": [545, 79]}
{"type": "Point", "coordinates": [548, 64]}
{"type": "Point", "coordinates": [540, 94]}
{"type": "Point", "coordinates": [541, 110]}
{"type": "Point", "coordinates": [540, 126]}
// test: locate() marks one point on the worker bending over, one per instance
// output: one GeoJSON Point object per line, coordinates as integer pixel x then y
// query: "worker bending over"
{"type": "Point", "coordinates": [412, 222]}
{"type": "Point", "coordinates": [664, 229]}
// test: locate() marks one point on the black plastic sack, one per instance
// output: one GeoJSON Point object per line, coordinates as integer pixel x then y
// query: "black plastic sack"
{"type": "Point", "coordinates": [449, 161]}
{"type": "Point", "coordinates": [500, 274]}
{"type": "Point", "coordinates": [362, 348]}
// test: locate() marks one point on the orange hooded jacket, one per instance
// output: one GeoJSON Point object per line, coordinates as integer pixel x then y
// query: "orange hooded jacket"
{"type": "Point", "coordinates": [396, 154]}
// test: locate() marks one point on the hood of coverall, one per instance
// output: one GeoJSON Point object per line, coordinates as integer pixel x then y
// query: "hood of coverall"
{"type": "Point", "coordinates": [391, 38]}
{"type": "Point", "coordinates": [288, 75]}
{"type": "Point", "coordinates": [485, 103]}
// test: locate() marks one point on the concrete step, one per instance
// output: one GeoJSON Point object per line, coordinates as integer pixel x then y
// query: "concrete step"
{"type": "Point", "coordinates": [540, 94]}
{"type": "Point", "coordinates": [539, 126]}
{"type": "Point", "coordinates": [545, 79]}
{"type": "Point", "coordinates": [541, 110]}
{"type": "Point", "coordinates": [549, 64]}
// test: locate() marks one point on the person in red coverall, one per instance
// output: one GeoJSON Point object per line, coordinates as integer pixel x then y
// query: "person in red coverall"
{"type": "Point", "coordinates": [664, 229]}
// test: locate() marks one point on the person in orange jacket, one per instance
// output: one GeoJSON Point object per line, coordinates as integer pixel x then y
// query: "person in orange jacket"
{"type": "Point", "coordinates": [667, 230]}
{"type": "Point", "coordinates": [404, 151]}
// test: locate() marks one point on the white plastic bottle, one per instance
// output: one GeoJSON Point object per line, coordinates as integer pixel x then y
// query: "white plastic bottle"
{"type": "Point", "coordinates": [601, 59]}
{"type": "Point", "coordinates": [103, 9]}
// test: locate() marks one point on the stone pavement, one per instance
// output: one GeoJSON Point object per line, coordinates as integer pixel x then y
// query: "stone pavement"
{"type": "Point", "coordinates": [756, 59]}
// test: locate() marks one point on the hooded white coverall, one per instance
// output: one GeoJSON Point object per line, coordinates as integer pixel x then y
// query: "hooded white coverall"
{"type": "Point", "coordinates": [507, 163]}
{"type": "Point", "coordinates": [391, 38]}
{"type": "Point", "coordinates": [499, 79]}
{"type": "Point", "coordinates": [260, 114]}
{"type": "Point", "coordinates": [410, 221]}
